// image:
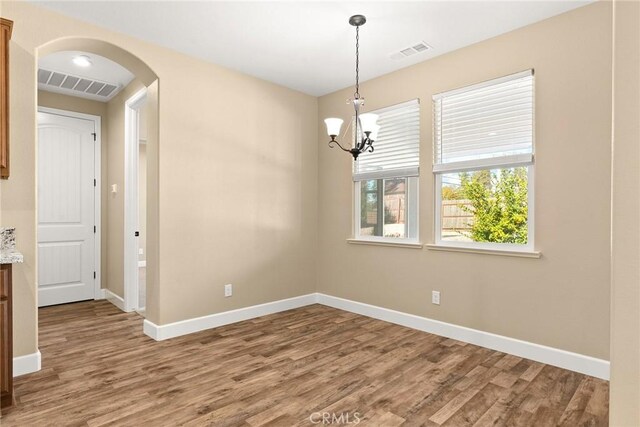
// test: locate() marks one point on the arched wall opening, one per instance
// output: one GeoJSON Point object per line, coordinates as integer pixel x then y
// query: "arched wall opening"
{"type": "Point", "coordinates": [114, 274]}
{"type": "Point", "coordinates": [117, 54]}
{"type": "Point", "coordinates": [216, 186]}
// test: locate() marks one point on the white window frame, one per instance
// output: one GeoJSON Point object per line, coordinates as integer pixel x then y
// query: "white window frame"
{"type": "Point", "coordinates": [411, 214]}
{"type": "Point", "coordinates": [529, 247]}
{"type": "Point", "coordinates": [412, 203]}
{"type": "Point", "coordinates": [505, 162]}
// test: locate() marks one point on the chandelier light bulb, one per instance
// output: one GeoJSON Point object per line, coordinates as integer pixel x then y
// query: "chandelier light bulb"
{"type": "Point", "coordinates": [333, 126]}
{"type": "Point", "coordinates": [368, 121]}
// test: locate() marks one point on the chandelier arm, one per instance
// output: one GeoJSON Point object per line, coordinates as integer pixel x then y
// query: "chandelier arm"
{"type": "Point", "coordinates": [339, 145]}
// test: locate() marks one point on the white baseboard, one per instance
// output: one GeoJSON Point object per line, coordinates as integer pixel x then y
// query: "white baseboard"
{"type": "Point", "coordinates": [176, 329]}
{"type": "Point", "coordinates": [552, 356]}
{"type": "Point", "coordinates": [101, 294]}
{"type": "Point", "coordinates": [114, 299]}
{"type": "Point", "coordinates": [142, 263]}
{"type": "Point", "coordinates": [27, 364]}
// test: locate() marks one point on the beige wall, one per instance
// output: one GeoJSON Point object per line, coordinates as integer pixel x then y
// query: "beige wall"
{"type": "Point", "coordinates": [625, 289]}
{"type": "Point", "coordinates": [153, 203]}
{"type": "Point", "coordinates": [115, 236]}
{"type": "Point", "coordinates": [95, 108]}
{"type": "Point", "coordinates": [237, 192]}
{"type": "Point", "coordinates": [560, 300]}
{"type": "Point", "coordinates": [18, 197]}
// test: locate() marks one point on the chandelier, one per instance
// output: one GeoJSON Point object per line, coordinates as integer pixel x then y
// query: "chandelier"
{"type": "Point", "coordinates": [366, 129]}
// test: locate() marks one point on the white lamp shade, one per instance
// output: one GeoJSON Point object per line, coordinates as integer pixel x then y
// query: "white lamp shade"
{"type": "Point", "coordinates": [368, 121]}
{"type": "Point", "coordinates": [333, 126]}
{"type": "Point", "coordinates": [374, 133]}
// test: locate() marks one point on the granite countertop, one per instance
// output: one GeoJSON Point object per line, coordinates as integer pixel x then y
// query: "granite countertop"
{"type": "Point", "coordinates": [8, 252]}
{"type": "Point", "coordinates": [10, 256]}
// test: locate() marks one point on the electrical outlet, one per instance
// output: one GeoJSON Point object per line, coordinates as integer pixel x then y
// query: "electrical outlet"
{"type": "Point", "coordinates": [435, 297]}
{"type": "Point", "coordinates": [228, 290]}
{"type": "Point", "coordinates": [140, 251]}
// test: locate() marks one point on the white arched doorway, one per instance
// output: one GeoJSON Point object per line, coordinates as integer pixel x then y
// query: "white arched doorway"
{"type": "Point", "coordinates": [119, 278]}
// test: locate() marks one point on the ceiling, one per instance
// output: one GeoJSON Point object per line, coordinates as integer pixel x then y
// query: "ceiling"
{"type": "Point", "coordinates": [102, 71]}
{"type": "Point", "coordinates": [309, 45]}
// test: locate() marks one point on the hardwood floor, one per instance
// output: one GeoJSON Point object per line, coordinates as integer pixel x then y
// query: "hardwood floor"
{"type": "Point", "coordinates": [100, 369]}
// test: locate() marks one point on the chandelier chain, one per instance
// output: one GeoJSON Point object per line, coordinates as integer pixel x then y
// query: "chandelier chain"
{"type": "Point", "coordinates": [357, 94]}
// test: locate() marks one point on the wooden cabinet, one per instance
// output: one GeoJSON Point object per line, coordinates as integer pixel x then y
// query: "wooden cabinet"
{"type": "Point", "coordinates": [6, 341]}
{"type": "Point", "coordinates": [5, 35]}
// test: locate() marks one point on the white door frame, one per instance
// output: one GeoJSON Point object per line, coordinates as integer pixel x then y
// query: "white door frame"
{"type": "Point", "coordinates": [131, 152]}
{"type": "Point", "coordinates": [97, 199]}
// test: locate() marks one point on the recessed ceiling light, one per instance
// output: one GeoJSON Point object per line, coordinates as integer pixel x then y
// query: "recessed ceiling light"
{"type": "Point", "coordinates": [82, 61]}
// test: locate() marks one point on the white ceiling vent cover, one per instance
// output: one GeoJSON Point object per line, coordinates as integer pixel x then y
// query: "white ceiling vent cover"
{"type": "Point", "coordinates": [415, 48]}
{"type": "Point", "coordinates": [68, 84]}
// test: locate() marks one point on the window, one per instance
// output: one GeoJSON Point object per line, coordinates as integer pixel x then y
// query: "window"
{"type": "Point", "coordinates": [386, 181]}
{"type": "Point", "coordinates": [483, 164]}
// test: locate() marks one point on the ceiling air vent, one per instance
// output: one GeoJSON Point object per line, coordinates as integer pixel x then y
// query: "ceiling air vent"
{"type": "Point", "coordinates": [75, 85]}
{"type": "Point", "coordinates": [411, 50]}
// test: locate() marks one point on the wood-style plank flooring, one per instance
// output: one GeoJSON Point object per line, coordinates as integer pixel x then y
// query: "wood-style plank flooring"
{"type": "Point", "coordinates": [98, 368]}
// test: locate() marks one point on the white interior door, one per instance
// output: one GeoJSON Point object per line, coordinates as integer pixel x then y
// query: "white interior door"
{"type": "Point", "coordinates": [66, 209]}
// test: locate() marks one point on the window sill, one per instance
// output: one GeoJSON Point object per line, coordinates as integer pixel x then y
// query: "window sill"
{"type": "Point", "coordinates": [409, 245]}
{"type": "Point", "coordinates": [484, 251]}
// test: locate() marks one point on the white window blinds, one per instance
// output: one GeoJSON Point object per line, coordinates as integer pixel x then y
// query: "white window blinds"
{"type": "Point", "coordinates": [485, 125]}
{"type": "Point", "coordinates": [397, 148]}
